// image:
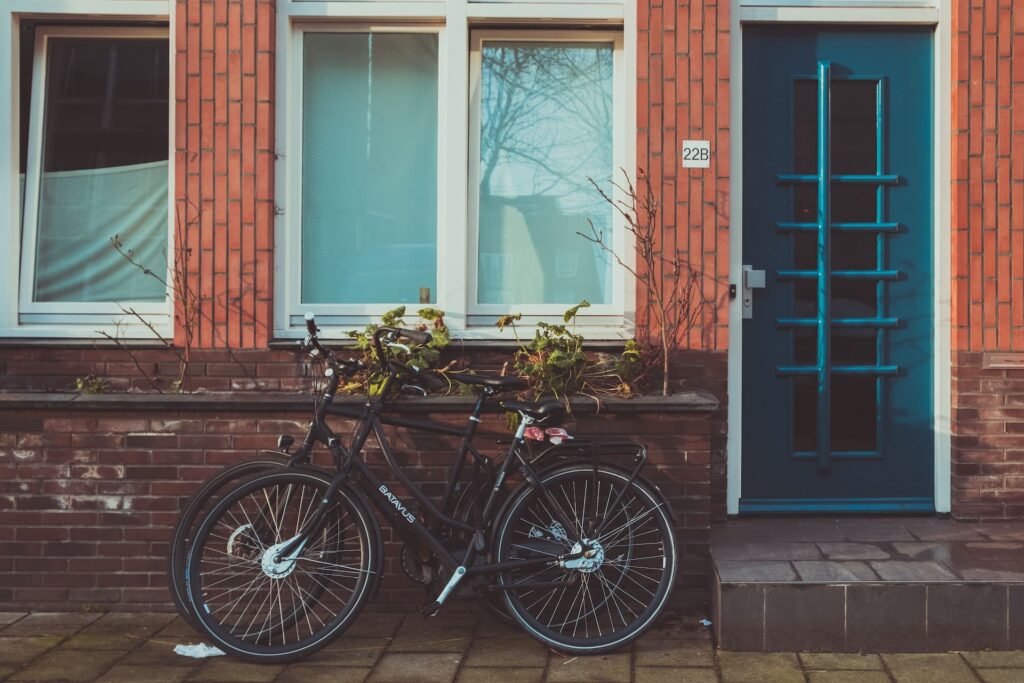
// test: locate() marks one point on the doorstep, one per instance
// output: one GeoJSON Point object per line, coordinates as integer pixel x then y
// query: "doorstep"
{"type": "Point", "coordinates": [867, 584]}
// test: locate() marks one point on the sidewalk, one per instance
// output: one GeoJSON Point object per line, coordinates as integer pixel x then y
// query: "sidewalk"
{"type": "Point", "coordinates": [450, 647]}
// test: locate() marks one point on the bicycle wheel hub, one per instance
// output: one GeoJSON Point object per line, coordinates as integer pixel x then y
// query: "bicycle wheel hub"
{"type": "Point", "coordinates": [275, 566]}
{"type": "Point", "coordinates": [590, 561]}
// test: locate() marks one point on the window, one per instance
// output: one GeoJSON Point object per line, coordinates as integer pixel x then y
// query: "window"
{"type": "Point", "coordinates": [544, 121]}
{"type": "Point", "coordinates": [369, 168]}
{"type": "Point", "coordinates": [409, 188]}
{"type": "Point", "coordinates": [96, 172]}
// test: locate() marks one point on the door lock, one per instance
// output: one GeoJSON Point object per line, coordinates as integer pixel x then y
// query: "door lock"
{"type": "Point", "coordinates": [752, 279]}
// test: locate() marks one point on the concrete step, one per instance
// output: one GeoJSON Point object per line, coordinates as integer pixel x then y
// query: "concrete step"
{"type": "Point", "coordinates": [867, 585]}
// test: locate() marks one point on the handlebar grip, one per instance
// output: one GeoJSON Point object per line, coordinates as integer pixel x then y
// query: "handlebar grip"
{"type": "Point", "coordinates": [311, 323]}
{"type": "Point", "coordinates": [418, 336]}
{"type": "Point", "coordinates": [429, 380]}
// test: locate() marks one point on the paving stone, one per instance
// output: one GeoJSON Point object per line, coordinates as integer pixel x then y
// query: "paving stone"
{"type": "Point", "coordinates": [655, 674]}
{"type": "Point", "coordinates": [152, 673]}
{"type": "Point", "coordinates": [227, 670]}
{"type": "Point", "coordinates": [135, 623]}
{"type": "Point", "coordinates": [443, 626]}
{"type": "Point", "coordinates": [179, 628]}
{"type": "Point", "coordinates": [432, 641]}
{"type": "Point", "coordinates": [1001, 675]}
{"type": "Point", "coordinates": [415, 668]}
{"type": "Point", "coordinates": [491, 627]}
{"type": "Point", "coordinates": [513, 652]}
{"type": "Point", "coordinates": [160, 652]}
{"type": "Point", "coordinates": [758, 667]}
{"type": "Point", "coordinates": [853, 551]}
{"type": "Point", "coordinates": [929, 668]}
{"type": "Point", "coordinates": [16, 650]}
{"type": "Point", "coordinates": [510, 675]}
{"type": "Point", "coordinates": [610, 668]}
{"type": "Point", "coordinates": [834, 572]}
{"type": "Point", "coordinates": [912, 571]}
{"type": "Point", "coordinates": [347, 651]}
{"type": "Point", "coordinates": [50, 624]}
{"type": "Point", "coordinates": [997, 660]}
{"type": "Point", "coordinates": [8, 618]}
{"type": "Point", "coordinates": [650, 652]}
{"type": "Point", "coordinates": [867, 530]}
{"type": "Point", "coordinates": [375, 624]}
{"type": "Point", "coordinates": [992, 574]}
{"type": "Point", "coordinates": [754, 572]}
{"type": "Point", "coordinates": [848, 677]}
{"type": "Point", "coordinates": [831, 661]}
{"type": "Point", "coordinates": [311, 673]}
{"type": "Point", "coordinates": [782, 551]}
{"type": "Point", "coordinates": [5, 671]}
{"type": "Point", "coordinates": [102, 641]}
{"type": "Point", "coordinates": [939, 552]}
{"type": "Point", "coordinates": [68, 665]}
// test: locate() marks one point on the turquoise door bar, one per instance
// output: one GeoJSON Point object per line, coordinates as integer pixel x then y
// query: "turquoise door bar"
{"type": "Point", "coordinates": [823, 443]}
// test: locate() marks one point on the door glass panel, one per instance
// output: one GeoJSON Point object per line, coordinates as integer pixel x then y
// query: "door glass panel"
{"type": "Point", "coordinates": [854, 126]}
{"type": "Point", "coordinates": [853, 413]}
{"type": "Point", "coordinates": [805, 413]}
{"type": "Point", "coordinates": [853, 298]}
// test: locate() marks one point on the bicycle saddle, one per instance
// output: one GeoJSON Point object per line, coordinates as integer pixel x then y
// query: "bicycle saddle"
{"type": "Point", "coordinates": [496, 383]}
{"type": "Point", "coordinates": [547, 413]}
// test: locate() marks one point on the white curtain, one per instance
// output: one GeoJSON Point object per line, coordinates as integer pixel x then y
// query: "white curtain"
{"type": "Point", "coordinates": [79, 213]}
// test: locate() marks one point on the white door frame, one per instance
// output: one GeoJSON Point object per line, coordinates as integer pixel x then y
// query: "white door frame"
{"type": "Point", "coordinates": [898, 13]}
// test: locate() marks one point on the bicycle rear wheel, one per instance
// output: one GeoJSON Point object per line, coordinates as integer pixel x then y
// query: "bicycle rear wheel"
{"type": "Point", "coordinates": [596, 604]}
{"type": "Point", "coordinates": [262, 606]}
{"type": "Point", "coordinates": [184, 530]}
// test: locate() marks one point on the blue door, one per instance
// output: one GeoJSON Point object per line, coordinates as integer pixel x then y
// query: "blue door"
{"type": "Point", "coordinates": [837, 287]}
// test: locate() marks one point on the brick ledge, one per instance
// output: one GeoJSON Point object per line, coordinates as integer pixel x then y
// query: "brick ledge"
{"type": "Point", "coordinates": [698, 401]}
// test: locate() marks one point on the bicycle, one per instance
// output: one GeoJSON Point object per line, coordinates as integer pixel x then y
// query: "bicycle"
{"type": "Point", "coordinates": [582, 551]}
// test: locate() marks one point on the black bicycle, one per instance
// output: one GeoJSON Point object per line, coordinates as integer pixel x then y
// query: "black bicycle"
{"type": "Point", "coordinates": [580, 550]}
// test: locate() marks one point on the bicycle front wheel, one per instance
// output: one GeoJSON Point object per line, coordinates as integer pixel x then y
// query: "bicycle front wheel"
{"type": "Point", "coordinates": [184, 530]}
{"type": "Point", "coordinates": [262, 605]}
{"type": "Point", "coordinates": [599, 603]}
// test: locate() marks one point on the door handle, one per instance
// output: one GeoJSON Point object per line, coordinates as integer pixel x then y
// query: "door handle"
{"type": "Point", "coordinates": [752, 279]}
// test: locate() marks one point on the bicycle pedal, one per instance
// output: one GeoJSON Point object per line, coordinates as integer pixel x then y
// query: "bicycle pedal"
{"type": "Point", "coordinates": [430, 609]}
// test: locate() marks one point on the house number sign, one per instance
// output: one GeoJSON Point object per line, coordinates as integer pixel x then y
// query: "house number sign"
{"type": "Point", "coordinates": [696, 153]}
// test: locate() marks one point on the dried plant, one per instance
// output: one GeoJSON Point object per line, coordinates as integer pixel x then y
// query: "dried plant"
{"type": "Point", "coordinates": [674, 289]}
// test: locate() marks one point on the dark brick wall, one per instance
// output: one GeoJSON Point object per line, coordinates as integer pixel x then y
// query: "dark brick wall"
{"type": "Point", "coordinates": [988, 437]}
{"type": "Point", "coordinates": [87, 496]}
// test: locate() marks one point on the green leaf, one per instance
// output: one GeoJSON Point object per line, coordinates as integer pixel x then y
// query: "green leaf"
{"type": "Point", "coordinates": [571, 313]}
{"type": "Point", "coordinates": [506, 320]}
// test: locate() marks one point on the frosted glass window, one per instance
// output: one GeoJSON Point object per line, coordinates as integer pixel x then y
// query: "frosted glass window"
{"type": "Point", "coordinates": [546, 116]}
{"type": "Point", "coordinates": [104, 171]}
{"type": "Point", "coordinates": [369, 168]}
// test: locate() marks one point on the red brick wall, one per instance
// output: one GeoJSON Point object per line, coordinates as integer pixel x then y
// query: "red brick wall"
{"type": "Point", "coordinates": [224, 166]}
{"type": "Point", "coordinates": [988, 257]}
{"type": "Point", "coordinates": [87, 497]}
{"type": "Point", "coordinates": [683, 94]}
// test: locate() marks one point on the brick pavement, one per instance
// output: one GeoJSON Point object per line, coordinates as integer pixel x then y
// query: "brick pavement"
{"type": "Point", "coordinates": [458, 646]}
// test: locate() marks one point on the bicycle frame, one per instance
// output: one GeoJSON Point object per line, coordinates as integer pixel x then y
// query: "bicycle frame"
{"type": "Point", "coordinates": [371, 421]}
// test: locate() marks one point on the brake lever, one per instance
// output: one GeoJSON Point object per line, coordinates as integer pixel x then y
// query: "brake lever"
{"type": "Point", "coordinates": [403, 347]}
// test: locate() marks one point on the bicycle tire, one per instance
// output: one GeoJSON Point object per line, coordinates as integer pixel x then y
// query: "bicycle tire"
{"type": "Point", "coordinates": [184, 528]}
{"type": "Point", "coordinates": [635, 570]}
{"type": "Point", "coordinates": [236, 581]}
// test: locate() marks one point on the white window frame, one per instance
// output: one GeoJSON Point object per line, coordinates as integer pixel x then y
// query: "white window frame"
{"type": "Point", "coordinates": [618, 240]}
{"type": "Point", "coordinates": [292, 298]}
{"type": "Point", "coordinates": [454, 21]}
{"type": "Point", "coordinates": [88, 321]}
{"type": "Point", "coordinates": [27, 306]}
